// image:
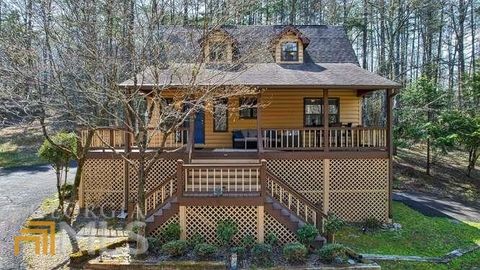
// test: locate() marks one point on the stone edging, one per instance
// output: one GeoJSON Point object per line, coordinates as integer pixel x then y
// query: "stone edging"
{"type": "Point", "coordinates": [444, 259]}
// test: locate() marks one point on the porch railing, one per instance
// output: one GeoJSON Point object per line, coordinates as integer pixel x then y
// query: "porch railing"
{"type": "Point", "coordinates": [314, 138]}
{"type": "Point", "coordinates": [220, 179]}
{"type": "Point", "coordinates": [157, 197]}
{"type": "Point", "coordinates": [113, 137]}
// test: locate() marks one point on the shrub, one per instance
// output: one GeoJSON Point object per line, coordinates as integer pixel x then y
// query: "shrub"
{"type": "Point", "coordinates": [295, 253]}
{"type": "Point", "coordinates": [332, 225]}
{"type": "Point", "coordinates": [171, 232]}
{"type": "Point", "coordinates": [196, 239]}
{"type": "Point", "coordinates": [372, 223]}
{"type": "Point", "coordinates": [154, 244]}
{"type": "Point", "coordinates": [329, 252]}
{"type": "Point", "coordinates": [175, 248]}
{"type": "Point", "coordinates": [67, 190]}
{"type": "Point", "coordinates": [262, 255]}
{"type": "Point", "coordinates": [307, 234]}
{"type": "Point", "coordinates": [226, 230]}
{"type": "Point", "coordinates": [271, 239]}
{"type": "Point", "coordinates": [205, 251]}
{"type": "Point", "coordinates": [240, 251]}
{"type": "Point", "coordinates": [248, 241]}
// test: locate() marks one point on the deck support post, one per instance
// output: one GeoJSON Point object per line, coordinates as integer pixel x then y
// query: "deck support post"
{"type": "Point", "coordinates": [182, 218]}
{"type": "Point", "coordinates": [259, 125]}
{"type": "Point", "coordinates": [390, 95]}
{"type": "Point", "coordinates": [326, 186]}
{"type": "Point", "coordinates": [261, 224]}
{"type": "Point", "coordinates": [326, 137]}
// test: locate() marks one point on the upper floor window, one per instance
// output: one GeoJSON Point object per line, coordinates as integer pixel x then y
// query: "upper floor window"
{"type": "Point", "coordinates": [248, 108]}
{"type": "Point", "coordinates": [289, 52]}
{"type": "Point", "coordinates": [218, 52]}
{"type": "Point", "coordinates": [313, 111]}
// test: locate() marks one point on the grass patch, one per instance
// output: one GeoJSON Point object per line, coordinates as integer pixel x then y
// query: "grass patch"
{"type": "Point", "coordinates": [18, 146]}
{"type": "Point", "coordinates": [421, 236]}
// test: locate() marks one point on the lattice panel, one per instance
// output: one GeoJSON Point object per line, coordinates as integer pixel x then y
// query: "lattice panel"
{"type": "Point", "coordinates": [157, 232]}
{"type": "Point", "coordinates": [358, 174]}
{"type": "Point", "coordinates": [161, 170]}
{"type": "Point", "coordinates": [283, 234]}
{"type": "Point", "coordinates": [103, 183]}
{"type": "Point", "coordinates": [358, 206]}
{"type": "Point", "coordinates": [304, 175]}
{"type": "Point", "coordinates": [203, 220]}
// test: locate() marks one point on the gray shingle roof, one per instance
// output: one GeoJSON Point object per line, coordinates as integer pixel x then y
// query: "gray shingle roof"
{"type": "Point", "coordinates": [329, 60]}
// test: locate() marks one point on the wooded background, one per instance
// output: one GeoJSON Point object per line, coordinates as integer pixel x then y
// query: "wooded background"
{"type": "Point", "coordinates": [430, 46]}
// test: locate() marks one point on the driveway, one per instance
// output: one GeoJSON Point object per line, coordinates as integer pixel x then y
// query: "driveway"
{"type": "Point", "coordinates": [21, 192]}
{"type": "Point", "coordinates": [430, 205]}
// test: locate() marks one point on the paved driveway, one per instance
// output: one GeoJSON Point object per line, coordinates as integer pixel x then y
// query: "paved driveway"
{"type": "Point", "coordinates": [21, 192]}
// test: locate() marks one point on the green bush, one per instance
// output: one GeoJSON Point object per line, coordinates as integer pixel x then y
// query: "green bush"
{"type": "Point", "coordinates": [333, 224]}
{"type": "Point", "coordinates": [329, 252]}
{"type": "Point", "coordinates": [175, 248]}
{"type": "Point", "coordinates": [248, 241]}
{"type": "Point", "coordinates": [226, 230]}
{"type": "Point", "coordinates": [196, 239]}
{"type": "Point", "coordinates": [154, 244]}
{"type": "Point", "coordinates": [262, 255]}
{"type": "Point", "coordinates": [271, 239]}
{"type": "Point", "coordinates": [295, 252]}
{"type": "Point", "coordinates": [171, 232]}
{"type": "Point", "coordinates": [205, 251]}
{"type": "Point", "coordinates": [307, 234]}
{"type": "Point", "coordinates": [372, 223]}
{"type": "Point", "coordinates": [240, 251]}
{"type": "Point", "coordinates": [67, 190]}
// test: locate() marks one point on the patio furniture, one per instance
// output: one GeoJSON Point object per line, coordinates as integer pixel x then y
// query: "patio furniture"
{"type": "Point", "coordinates": [244, 139]}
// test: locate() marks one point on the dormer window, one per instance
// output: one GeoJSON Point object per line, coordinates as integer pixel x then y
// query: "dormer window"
{"type": "Point", "coordinates": [289, 52]}
{"type": "Point", "coordinates": [289, 45]}
{"type": "Point", "coordinates": [218, 46]}
{"type": "Point", "coordinates": [218, 52]}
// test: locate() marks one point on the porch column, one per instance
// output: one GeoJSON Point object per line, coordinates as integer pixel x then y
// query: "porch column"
{"type": "Point", "coordinates": [191, 136]}
{"type": "Point", "coordinates": [389, 104]}
{"type": "Point", "coordinates": [259, 125]}
{"type": "Point", "coordinates": [325, 121]}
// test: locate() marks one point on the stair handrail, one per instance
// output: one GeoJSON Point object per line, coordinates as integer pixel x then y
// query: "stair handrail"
{"type": "Point", "coordinates": [318, 213]}
{"type": "Point", "coordinates": [152, 194]}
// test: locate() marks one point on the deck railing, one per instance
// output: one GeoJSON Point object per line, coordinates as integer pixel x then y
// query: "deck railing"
{"type": "Point", "coordinates": [294, 201]}
{"type": "Point", "coordinates": [220, 179]}
{"type": "Point", "coordinates": [112, 137]}
{"type": "Point", "coordinates": [157, 197]}
{"type": "Point", "coordinates": [314, 138]}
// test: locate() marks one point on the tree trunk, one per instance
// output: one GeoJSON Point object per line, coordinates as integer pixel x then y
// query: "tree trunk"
{"type": "Point", "coordinates": [460, 48]}
{"type": "Point", "coordinates": [59, 188]}
{"type": "Point", "coordinates": [428, 157]}
{"type": "Point", "coordinates": [364, 34]}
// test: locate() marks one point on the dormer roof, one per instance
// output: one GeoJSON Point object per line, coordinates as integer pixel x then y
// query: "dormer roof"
{"type": "Point", "coordinates": [290, 29]}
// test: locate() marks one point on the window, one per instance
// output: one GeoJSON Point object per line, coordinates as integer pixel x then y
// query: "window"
{"type": "Point", "coordinates": [248, 108]}
{"type": "Point", "coordinates": [220, 115]}
{"type": "Point", "coordinates": [289, 52]}
{"type": "Point", "coordinates": [218, 52]}
{"type": "Point", "coordinates": [313, 110]}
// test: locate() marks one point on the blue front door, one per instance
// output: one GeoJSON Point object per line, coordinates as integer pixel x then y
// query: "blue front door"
{"type": "Point", "coordinates": [200, 127]}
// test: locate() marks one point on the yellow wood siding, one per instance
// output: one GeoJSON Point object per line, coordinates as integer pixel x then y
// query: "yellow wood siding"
{"type": "Point", "coordinates": [281, 108]}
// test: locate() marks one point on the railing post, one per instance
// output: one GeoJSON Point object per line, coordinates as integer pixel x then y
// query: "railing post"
{"type": "Point", "coordinates": [180, 180]}
{"type": "Point", "coordinates": [263, 178]}
{"type": "Point", "coordinates": [326, 132]}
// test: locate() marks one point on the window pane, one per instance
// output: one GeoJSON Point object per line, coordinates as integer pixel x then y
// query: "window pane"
{"type": "Point", "coordinates": [248, 108]}
{"type": "Point", "coordinates": [220, 112]}
{"type": "Point", "coordinates": [290, 51]}
{"type": "Point", "coordinates": [218, 51]}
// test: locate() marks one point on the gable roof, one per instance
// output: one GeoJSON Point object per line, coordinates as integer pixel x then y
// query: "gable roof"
{"type": "Point", "coordinates": [329, 60]}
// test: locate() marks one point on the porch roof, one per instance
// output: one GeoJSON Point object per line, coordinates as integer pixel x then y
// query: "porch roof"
{"type": "Point", "coordinates": [264, 75]}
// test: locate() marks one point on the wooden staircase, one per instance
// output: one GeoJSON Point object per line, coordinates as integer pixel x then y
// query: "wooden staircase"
{"type": "Point", "coordinates": [226, 180]}
{"type": "Point", "coordinates": [288, 218]}
{"type": "Point", "coordinates": [162, 215]}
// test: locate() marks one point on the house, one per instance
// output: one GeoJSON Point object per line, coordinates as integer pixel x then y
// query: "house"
{"type": "Point", "coordinates": [273, 166]}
